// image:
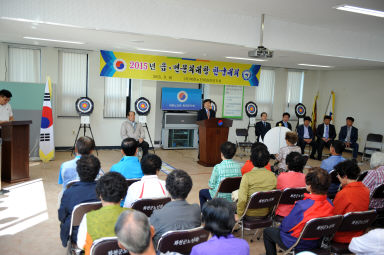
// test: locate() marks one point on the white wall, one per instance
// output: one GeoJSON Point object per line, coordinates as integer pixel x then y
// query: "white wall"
{"type": "Point", "coordinates": [358, 93]}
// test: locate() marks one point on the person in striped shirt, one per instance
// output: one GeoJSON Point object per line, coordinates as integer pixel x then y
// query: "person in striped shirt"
{"type": "Point", "coordinates": [227, 168]}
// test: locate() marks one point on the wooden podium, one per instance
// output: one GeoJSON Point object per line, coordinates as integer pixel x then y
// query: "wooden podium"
{"type": "Point", "coordinates": [212, 133]}
{"type": "Point", "coordinates": [15, 151]}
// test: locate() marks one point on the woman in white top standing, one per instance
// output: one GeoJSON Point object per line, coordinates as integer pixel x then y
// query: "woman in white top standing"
{"type": "Point", "coordinates": [291, 139]}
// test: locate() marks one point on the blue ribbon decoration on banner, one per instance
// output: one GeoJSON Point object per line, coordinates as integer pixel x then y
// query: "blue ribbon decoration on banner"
{"type": "Point", "coordinates": [109, 58]}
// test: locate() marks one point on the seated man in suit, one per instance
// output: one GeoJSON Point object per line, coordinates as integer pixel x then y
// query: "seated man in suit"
{"type": "Point", "coordinates": [206, 112]}
{"type": "Point", "coordinates": [349, 134]}
{"type": "Point", "coordinates": [262, 127]}
{"type": "Point", "coordinates": [132, 129]}
{"type": "Point", "coordinates": [306, 136]}
{"type": "Point", "coordinates": [177, 214]}
{"type": "Point", "coordinates": [325, 133]}
{"type": "Point", "coordinates": [284, 122]}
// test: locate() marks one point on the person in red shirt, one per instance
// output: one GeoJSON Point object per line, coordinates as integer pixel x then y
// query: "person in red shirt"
{"type": "Point", "coordinates": [248, 166]}
{"type": "Point", "coordinates": [294, 178]}
{"type": "Point", "coordinates": [353, 197]}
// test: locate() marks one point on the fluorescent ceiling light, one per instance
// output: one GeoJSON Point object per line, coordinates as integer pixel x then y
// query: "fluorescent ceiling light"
{"type": "Point", "coordinates": [51, 40]}
{"type": "Point", "coordinates": [360, 10]}
{"type": "Point", "coordinates": [316, 65]}
{"type": "Point", "coordinates": [163, 51]}
{"type": "Point", "coordinates": [249, 59]}
{"type": "Point", "coordinates": [37, 22]}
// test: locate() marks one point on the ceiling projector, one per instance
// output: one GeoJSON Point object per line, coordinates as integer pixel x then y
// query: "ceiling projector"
{"type": "Point", "coordinates": [260, 52]}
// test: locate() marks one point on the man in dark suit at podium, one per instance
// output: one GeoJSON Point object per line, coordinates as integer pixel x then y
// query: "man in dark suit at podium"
{"type": "Point", "coordinates": [349, 134]}
{"type": "Point", "coordinates": [206, 112]}
{"type": "Point", "coordinates": [325, 133]}
{"type": "Point", "coordinates": [284, 122]}
{"type": "Point", "coordinates": [262, 127]}
{"type": "Point", "coordinates": [306, 136]}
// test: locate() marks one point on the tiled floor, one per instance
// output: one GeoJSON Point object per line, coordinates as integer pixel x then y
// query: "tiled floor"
{"type": "Point", "coordinates": [28, 214]}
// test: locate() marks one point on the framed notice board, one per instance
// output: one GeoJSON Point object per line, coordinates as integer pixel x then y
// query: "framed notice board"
{"type": "Point", "coordinates": [233, 101]}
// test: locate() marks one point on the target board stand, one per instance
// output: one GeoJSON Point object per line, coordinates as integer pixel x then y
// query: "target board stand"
{"type": "Point", "coordinates": [84, 106]}
{"type": "Point", "coordinates": [142, 108]}
{"type": "Point", "coordinates": [300, 112]}
{"type": "Point", "coordinates": [251, 111]}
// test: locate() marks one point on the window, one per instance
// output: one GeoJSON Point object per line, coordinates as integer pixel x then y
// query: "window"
{"type": "Point", "coordinates": [116, 91]}
{"type": "Point", "coordinates": [24, 64]}
{"type": "Point", "coordinates": [264, 92]}
{"type": "Point", "coordinates": [295, 83]}
{"type": "Point", "coordinates": [73, 68]}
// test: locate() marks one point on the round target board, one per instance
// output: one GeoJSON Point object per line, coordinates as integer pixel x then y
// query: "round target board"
{"type": "Point", "coordinates": [142, 106]}
{"type": "Point", "coordinates": [213, 106]}
{"type": "Point", "coordinates": [300, 110]}
{"type": "Point", "coordinates": [251, 109]}
{"type": "Point", "coordinates": [84, 105]}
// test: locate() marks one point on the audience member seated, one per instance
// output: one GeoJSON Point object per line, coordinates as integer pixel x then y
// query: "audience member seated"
{"type": "Point", "coordinates": [284, 122]}
{"type": "Point", "coordinates": [227, 168]}
{"type": "Point", "coordinates": [369, 244]}
{"type": "Point", "coordinates": [354, 196]}
{"type": "Point", "coordinates": [248, 166]}
{"type": "Point", "coordinates": [150, 186]}
{"type": "Point", "coordinates": [88, 167]}
{"type": "Point", "coordinates": [262, 127]}
{"type": "Point", "coordinates": [258, 179]}
{"type": "Point", "coordinates": [294, 178]}
{"type": "Point", "coordinates": [177, 214]}
{"type": "Point", "coordinates": [375, 177]}
{"type": "Point", "coordinates": [291, 139]}
{"type": "Point", "coordinates": [219, 220]}
{"type": "Point", "coordinates": [134, 233]}
{"type": "Point", "coordinates": [129, 165]}
{"type": "Point", "coordinates": [349, 134]}
{"type": "Point", "coordinates": [314, 205]}
{"type": "Point", "coordinates": [84, 146]}
{"type": "Point", "coordinates": [325, 133]}
{"type": "Point", "coordinates": [306, 136]}
{"type": "Point", "coordinates": [336, 149]}
{"type": "Point", "coordinates": [100, 223]}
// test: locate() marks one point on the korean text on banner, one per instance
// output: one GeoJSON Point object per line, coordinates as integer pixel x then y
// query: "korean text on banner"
{"type": "Point", "coordinates": [160, 68]}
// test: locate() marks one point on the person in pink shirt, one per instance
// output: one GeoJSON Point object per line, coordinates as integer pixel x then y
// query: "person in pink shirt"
{"type": "Point", "coordinates": [293, 178]}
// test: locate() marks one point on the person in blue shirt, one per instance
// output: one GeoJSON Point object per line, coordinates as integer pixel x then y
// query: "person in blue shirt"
{"type": "Point", "coordinates": [129, 166]}
{"type": "Point", "coordinates": [84, 146]}
{"type": "Point", "coordinates": [336, 149]}
{"type": "Point", "coordinates": [83, 191]}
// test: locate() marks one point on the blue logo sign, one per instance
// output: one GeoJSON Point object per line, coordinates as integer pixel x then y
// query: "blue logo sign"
{"type": "Point", "coordinates": [180, 99]}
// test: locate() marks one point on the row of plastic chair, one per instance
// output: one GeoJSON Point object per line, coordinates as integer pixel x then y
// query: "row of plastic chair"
{"type": "Point", "coordinates": [180, 241]}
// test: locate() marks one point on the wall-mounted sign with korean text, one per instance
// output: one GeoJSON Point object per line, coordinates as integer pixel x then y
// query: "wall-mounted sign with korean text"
{"type": "Point", "coordinates": [160, 68]}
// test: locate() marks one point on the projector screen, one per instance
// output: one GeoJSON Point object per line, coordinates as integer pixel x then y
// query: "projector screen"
{"type": "Point", "coordinates": [180, 99]}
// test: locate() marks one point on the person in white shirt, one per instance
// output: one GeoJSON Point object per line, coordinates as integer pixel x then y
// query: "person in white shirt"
{"type": "Point", "coordinates": [150, 186]}
{"type": "Point", "coordinates": [370, 243]}
{"type": "Point", "coordinates": [6, 113]}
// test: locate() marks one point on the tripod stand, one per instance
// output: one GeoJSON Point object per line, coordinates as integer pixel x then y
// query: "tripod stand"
{"type": "Point", "coordinates": [149, 135]}
{"type": "Point", "coordinates": [84, 127]}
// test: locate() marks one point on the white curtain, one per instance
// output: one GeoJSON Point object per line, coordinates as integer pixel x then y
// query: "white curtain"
{"type": "Point", "coordinates": [264, 92]}
{"type": "Point", "coordinates": [295, 84]}
{"type": "Point", "coordinates": [116, 91]}
{"type": "Point", "coordinates": [24, 64]}
{"type": "Point", "coordinates": [73, 81]}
